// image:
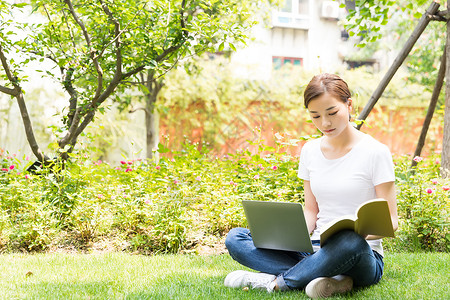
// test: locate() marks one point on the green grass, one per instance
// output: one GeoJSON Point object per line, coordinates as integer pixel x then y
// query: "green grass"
{"type": "Point", "coordinates": [125, 276]}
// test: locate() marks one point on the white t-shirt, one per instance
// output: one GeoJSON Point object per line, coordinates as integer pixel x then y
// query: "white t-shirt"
{"type": "Point", "coordinates": [341, 185]}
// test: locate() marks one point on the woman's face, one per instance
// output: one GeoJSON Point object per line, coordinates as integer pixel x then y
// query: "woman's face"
{"type": "Point", "coordinates": [329, 114]}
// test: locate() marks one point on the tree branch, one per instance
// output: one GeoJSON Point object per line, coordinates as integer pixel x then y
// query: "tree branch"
{"type": "Point", "coordinates": [69, 29]}
{"type": "Point", "coordinates": [133, 110]}
{"type": "Point", "coordinates": [18, 94]}
{"type": "Point", "coordinates": [183, 26]}
{"type": "Point", "coordinates": [87, 119]}
{"type": "Point", "coordinates": [72, 129]}
{"type": "Point", "coordinates": [8, 72]}
{"type": "Point", "coordinates": [7, 91]}
{"type": "Point", "coordinates": [159, 58]}
{"type": "Point", "coordinates": [67, 82]}
{"type": "Point", "coordinates": [29, 129]}
{"type": "Point", "coordinates": [117, 34]}
{"type": "Point", "coordinates": [121, 31]}
{"type": "Point", "coordinates": [443, 15]}
{"type": "Point", "coordinates": [91, 50]}
{"type": "Point", "coordinates": [54, 29]}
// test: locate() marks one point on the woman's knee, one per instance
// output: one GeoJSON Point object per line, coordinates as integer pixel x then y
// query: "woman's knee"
{"type": "Point", "coordinates": [349, 241]}
{"type": "Point", "coordinates": [234, 236]}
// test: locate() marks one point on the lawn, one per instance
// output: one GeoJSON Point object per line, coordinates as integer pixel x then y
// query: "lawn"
{"type": "Point", "coordinates": [124, 276]}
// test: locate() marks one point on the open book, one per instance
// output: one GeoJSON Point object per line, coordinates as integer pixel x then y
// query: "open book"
{"type": "Point", "coordinates": [372, 217]}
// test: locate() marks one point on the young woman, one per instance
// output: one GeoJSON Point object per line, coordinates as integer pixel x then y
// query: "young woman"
{"type": "Point", "coordinates": [340, 171]}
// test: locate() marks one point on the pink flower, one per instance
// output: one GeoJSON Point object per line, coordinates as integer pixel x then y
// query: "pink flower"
{"type": "Point", "coordinates": [118, 168]}
{"type": "Point", "coordinates": [147, 201]}
{"type": "Point", "coordinates": [130, 162]}
{"type": "Point", "coordinates": [123, 162]}
{"type": "Point", "coordinates": [175, 181]}
{"type": "Point", "coordinates": [11, 167]}
{"type": "Point", "coordinates": [437, 161]}
{"type": "Point", "coordinates": [274, 168]}
{"type": "Point", "coordinates": [418, 159]}
{"type": "Point", "coordinates": [198, 178]}
{"type": "Point", "coordinates": [429, 191]}
{"type": "Point", "coordinates": [27, 176]}
{"type": "Point", "coordinates": [27, 158]}
{"type": "Point", "coordinates": [233, 183]}
{"type": "Point", "coordinates": [128, 170]}
{"type": "Point", "coordinates": [446, 187]}
{"type": "Point", "coordinates": [158, 167]}
{"type": "Point", "coordinates": [100, 196]}
{"type": "Point", "coordinates": [256, 176]}
{"type": "Point", "coordinates": [434, 181]}
{"type": "Point", "coordinates": [4, 169]}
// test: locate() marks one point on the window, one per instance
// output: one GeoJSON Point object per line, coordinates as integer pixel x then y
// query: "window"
{"type": "Point", "coordinates": [279, 61]}
{"type": "Point", "coordinates": [294, 14]}
{"type": "Point", "coordinates": [297, 7]}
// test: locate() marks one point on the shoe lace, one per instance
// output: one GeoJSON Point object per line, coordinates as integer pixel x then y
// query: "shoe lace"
{"type": "Point", "coordinates": [259, 281]}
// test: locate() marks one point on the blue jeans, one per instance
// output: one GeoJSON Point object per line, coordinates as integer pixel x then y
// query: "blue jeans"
{"type": "Point", "coordinates": [344, 253]}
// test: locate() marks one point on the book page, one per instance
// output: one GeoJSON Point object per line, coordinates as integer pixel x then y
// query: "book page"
{"type": "Point", "coordinates": [344, 223]}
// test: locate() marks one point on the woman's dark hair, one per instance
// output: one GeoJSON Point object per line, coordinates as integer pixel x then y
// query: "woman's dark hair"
{"type": "Point", "coordinates": [326, 83]}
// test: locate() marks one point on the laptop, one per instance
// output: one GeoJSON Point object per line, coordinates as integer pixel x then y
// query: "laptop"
{"type": "Point", "coordinates": [277, 225]}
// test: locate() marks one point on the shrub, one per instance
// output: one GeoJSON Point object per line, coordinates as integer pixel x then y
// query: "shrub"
{"type": "Point", "coordinates": [189, 199]}
{"type": "Point", "coordinates": [423, 204]}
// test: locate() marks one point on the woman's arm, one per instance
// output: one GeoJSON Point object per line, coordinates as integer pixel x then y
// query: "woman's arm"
{"type": "Point", "coordinates": [387, 191]}
{"type": "Point", "coordinates": [311, 207]}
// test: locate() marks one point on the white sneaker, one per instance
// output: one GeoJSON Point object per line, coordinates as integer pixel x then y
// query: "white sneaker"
{"type": "Point", "coordinates": [262, 281]}
{"type": "Point", "coordinates": [323, 287]}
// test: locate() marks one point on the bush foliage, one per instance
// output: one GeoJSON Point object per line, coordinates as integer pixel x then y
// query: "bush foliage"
{"type": "Point", "coordinates": [190, 200]}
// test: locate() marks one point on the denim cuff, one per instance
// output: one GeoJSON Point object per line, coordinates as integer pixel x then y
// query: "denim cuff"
{"type": "Point", "coordinates": [281, 283]}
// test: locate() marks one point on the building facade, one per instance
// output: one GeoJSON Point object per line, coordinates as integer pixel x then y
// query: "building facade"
{"type": "Point", "coordinates": [305, 33]}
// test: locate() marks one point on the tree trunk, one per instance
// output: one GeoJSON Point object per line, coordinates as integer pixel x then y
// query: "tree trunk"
{"type": "Point", "coordinates": [151, 125]}
{"type": "Point", "coordinates": [153, 86]}
{"type": "Point", "coordinates": [445, 156]}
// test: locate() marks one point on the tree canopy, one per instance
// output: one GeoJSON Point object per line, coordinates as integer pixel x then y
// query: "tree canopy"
{"type": "Point", "coordinates": [96, 47]}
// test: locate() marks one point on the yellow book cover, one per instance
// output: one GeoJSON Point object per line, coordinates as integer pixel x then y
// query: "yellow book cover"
{"type": "Point", "coordinates": [371, 218]}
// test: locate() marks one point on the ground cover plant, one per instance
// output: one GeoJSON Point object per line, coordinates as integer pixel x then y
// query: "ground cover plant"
{"type": "Point", "coordinates": [186, 201]}
{"type": "Point", "coordinates": [122, 276]}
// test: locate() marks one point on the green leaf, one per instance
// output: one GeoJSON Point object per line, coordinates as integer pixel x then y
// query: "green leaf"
{"type": "Point", "coordinates": [221, 46]}
{"type": "Point", "coordinates": [20, 5]}
{"type": "Point", "coordinates": [162, 148]}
